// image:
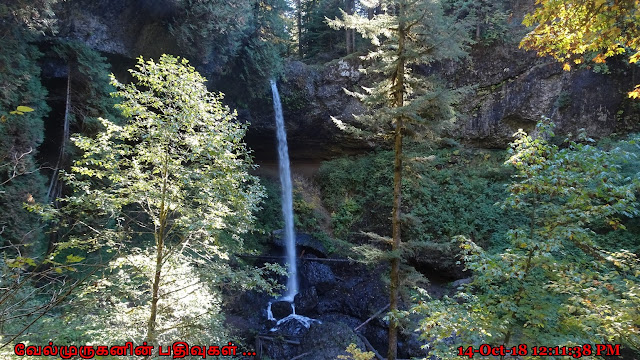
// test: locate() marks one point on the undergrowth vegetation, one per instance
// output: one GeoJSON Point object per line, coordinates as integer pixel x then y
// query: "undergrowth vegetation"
{"type": "Point", "coordinates": [449, 192]}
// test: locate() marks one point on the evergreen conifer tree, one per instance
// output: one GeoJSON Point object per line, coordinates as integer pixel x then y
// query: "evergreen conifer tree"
{"type": "Point", "coordinates": [405, 35]}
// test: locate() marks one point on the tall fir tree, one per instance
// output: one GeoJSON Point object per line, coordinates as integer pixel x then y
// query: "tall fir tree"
{"type": "Point", "coordinates": [261, 55]}
{"type": "Point", "coordinates": [317, 37]}
{"type": "Point", "coordinates": [405, 35]}
{"type": "Point", "coordinates": [212, 31]}
{"type": "Point", "coordinates": [488, 18]}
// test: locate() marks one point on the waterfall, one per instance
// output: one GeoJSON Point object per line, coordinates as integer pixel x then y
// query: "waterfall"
{"type": "Point", "coordinates": [287, 197]}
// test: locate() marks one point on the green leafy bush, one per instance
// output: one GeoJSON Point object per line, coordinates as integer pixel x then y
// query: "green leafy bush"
{"type": "Point", "coordinates": [554, 283]}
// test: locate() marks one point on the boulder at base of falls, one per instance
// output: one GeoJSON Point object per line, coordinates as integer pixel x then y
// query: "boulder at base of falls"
{"type": "Point", "coordinates": [317, 274]}
{"type": "Point", "coordinates": [320, 342]}
{"type": "Point", "coordinates": [293, 327]}
{"type": "Point", "coordinates": [306, 302]}
{"type": "Point", "coordinates": [328, 340]}
{"type": "Point", "coordinates": [281, 309]}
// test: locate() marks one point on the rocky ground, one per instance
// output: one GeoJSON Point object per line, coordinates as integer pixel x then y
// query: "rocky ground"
{"type": "Point", "coordinates": [341, 302]}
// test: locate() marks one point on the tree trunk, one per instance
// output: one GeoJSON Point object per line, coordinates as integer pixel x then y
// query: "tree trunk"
{"type": "Point", "coordinates": [55, 186]}
{"type": "Point", "coordinates": [151, 325]}
{"type": "Point", "coordinates": [353, 40]}
{"type": "Point", "coordinates": [395, 224]}
{"type": "Point", "coordinates": [397, 198]}
{"type": "Point", "coordinates": [299, 24]}
{"type": "Point", "coordinates": [160, 235]}
{"type": "Point", "coordinates": [370, 13]}
{"type": "Point", "coordinates": [350, 33]}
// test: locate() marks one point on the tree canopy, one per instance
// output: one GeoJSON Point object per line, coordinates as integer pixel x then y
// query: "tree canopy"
{"type": "Point", "coordinates": [575, 32]}
{"type": "Point", "coordinates": [553, 283]}
{"type": "Point", "coordinates": [176, 174]}
{"type": "Point", "coordinates": [405, 34]}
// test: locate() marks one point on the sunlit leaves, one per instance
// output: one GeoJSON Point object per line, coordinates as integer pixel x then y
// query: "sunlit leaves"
{"type": "Point", "coordinates": [572, 30]}
{"type": "Point", "coordinates": [74, 258]}
{"type": "Point", "coordinates": [20, 110]}
{"type": "Point", "coordinates": [20, 262]}
{"type": "Point", "coordinates": [553, 283]}
{"type": "Point", "coordinates": [356, 354]}
{"type": "Point", "coordinates": [175, 179]}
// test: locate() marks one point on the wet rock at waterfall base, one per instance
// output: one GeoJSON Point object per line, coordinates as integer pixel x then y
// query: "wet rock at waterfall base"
{"type": "Point", "coordinates": [275, 347]}
{"type": "Point", "coordinates": [281, 309]}
{"type": "Point", "coordinates": [350, 321]}
{"type": "Point", "coordinates": [317, 274]}
{"type": "Point", "coordinates": [363, 298]}
{"type": "Point", "coordinates": [331, 302]}
{"type": "Point", "coordinates": [291, 327]}
{"type": "Point", "coordinates": [306, 302]}
{"type": "Point", "coordinates": [320, 342]}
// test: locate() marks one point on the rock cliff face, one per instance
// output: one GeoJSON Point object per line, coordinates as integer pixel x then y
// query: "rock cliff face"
{"type": "Point", "coordinates": [512, 89]}
{"type": "Point", "coordinates": [507, 88]}
{"type": "Point", "coordinates": [129, 28]}
{"type": "Point", "coordinates": [310, 97]}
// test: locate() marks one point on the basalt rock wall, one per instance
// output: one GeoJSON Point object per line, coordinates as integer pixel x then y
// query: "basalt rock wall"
{"type": "Point", "coordinates": [129, 28]}
{"type": "Point", "coordinates": [506, 88]}
{"type": "Point", "coordinates": [512, 89]}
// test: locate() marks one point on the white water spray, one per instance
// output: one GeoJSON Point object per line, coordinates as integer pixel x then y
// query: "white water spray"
{"type": "Point", "coordinates": [305, 321]}
{"type": "Point", "coordinates": [287, 197]}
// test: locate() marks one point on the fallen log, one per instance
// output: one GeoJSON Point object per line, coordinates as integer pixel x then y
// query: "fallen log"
{"type": "Point", "coordinates": [370, 347]}
{"type": "Point", "coordinates": [267, 257]}
{"type": "Point", "coordinates": [275, 339]}
{"type": "Point", "coordinates": [372, 317]}
{"type": "Point", "coordinates": [301, 356]}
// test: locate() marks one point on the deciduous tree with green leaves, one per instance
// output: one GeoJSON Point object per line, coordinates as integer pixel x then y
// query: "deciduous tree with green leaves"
{"type": "Point", "coordinates": [176, 175]}
{"type": "Point", "coordinates": [406, 34]}
{"type": "Point", "coordinates": [553, 284]}
{"type": "Point", "coordinates": [574, 32]}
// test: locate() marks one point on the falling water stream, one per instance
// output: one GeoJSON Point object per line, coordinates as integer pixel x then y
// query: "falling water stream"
{"type": "Point", "coordinates": [287, 197]}
{"type": "Point", "coordinates": [287, 212]}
